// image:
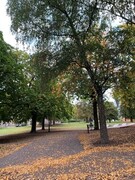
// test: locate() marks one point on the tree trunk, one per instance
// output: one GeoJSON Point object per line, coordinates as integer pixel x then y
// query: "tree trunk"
{"type": "Point", "coordinates": [49, 125]}
{"type": "Point", "coordinates": [131, 119]}
{"type": "Point", "coordinates": [96, 125]}
{"type": "Point", "coordinates": [43, 123]}
{"type": "Point", "coordinates": [103, 129]}
{"type": "Point", "coordinates": [34, 119]}
{"type": "Point", "coordinates": [53, 122]}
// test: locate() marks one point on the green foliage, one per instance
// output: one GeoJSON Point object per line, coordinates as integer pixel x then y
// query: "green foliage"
{"type": "Point", "coordinates": [124, 91]}
{"type": "Point", "coordinates": [127, 112]}
{"type": "Point", "coordinates": [83, 110]}
{"type": "Point", "coordinates": [80, 32]}
{"type": "Point", "coordinates": [12, 81]}
{"type": "Point", "coordinates": [111, 111]}
{"type": "Point", "coordinates": [52, 103]}
{"type": "Point", "coordinates": [47, 20]}
{"type": "Point", "coordinates": [77, 82]}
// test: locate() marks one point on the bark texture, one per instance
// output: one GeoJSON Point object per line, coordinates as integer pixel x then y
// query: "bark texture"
{"type": "Point", "coordinates": [43, 123]}
{"type": "Point", "coordinates": [102, 119]}
{"type": "Point", "coordinates": [95, 114]}
{"type": "Point", "coordinates": [34, 119]}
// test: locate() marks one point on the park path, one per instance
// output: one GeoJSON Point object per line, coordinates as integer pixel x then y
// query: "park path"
{"type": "Point", "coordinates": [53, 144]}
{"type": "Point", "coordinates": [59, 155]}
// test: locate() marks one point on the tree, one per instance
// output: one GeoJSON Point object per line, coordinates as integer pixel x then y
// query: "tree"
{"type": "Point", "coordinates": [13, 83]}
{"type": "Point", "coordinates": [67, 28]}
{"type": "Point", "coordinates": [21, 93]}
{"type": "Point", "coordinates": [124, 91]}
{"type": "Point", "coordinates": [111, 111]}
{"type": "Point", "coordinates": [55, 105]}
{"type": "Point", "coordinates": [83, 110]}
{"type": "Point", "coordinates": [127, 112]}
{"type": "Point", "coordinates": [78, 85]}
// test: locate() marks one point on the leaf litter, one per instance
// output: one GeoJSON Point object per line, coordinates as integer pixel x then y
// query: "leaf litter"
{"type": "Point", "coordinates": [115, 161]}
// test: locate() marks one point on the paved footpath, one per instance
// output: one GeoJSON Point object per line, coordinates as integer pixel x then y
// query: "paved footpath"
{"type": "Point", "coordinates": [45, 146]}
{"type": "Point", "coordinates": [61, 157]}
{"type": "Point", "coordinates": [121, 125]}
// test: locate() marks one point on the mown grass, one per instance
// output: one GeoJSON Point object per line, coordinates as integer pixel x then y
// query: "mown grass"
{"type": "Point", "coordinates": [13, 130]}
{"type": "Point", "coordinates": [63, 126]}
{"type": "Point", "coordinates": [71, 125]}
{"type": "Point", "coordinates": [81, 125]}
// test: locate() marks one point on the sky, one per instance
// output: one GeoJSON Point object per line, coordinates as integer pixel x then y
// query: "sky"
{"type": "Point", "coordinates": [5, 24]}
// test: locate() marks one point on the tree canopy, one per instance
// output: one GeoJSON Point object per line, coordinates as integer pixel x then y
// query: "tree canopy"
{"type": "Point", "coordinates": [22, 92]}
{"type": "Point", "coordinates": [77, 31]}
{"type": "Point", "coordinates": [12, 81]}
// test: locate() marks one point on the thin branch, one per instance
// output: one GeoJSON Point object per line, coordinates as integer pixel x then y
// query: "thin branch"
{"type": "Point", "coordinates": [120, 13]}
{"type": "Point", "coordinates": [92, 16]}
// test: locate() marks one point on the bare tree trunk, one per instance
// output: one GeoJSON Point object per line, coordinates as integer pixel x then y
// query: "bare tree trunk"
{"type": "Point", "coordinates": [131, 119]}
{"type": "Point", "coordinates": [43, 123]}
{"type": "Point", "coordinates": [103, 128]}
{"type": "Point", "coordinates": [34, 119]}
{"type": "Point", "coordinates": [53, 122]}
{"type": "Point", "coordinates": [96, 124]}
{"type": "Point", "coordinates": [49, 126]}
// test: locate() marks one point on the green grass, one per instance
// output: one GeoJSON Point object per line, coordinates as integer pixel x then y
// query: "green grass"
{"type": "Point", "coordinates": [13, 130]}
{"type": "Point", "coordinates": [18, 130]}
{"type": "Point", "coordinates": [62, 126]}
{"type": "Point", "coordinates": [71, 125]}
{"type": "Point", "coordinates": [79, 125]}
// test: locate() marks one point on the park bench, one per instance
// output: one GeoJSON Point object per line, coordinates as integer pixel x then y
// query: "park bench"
{"type": "Point", "coordinates": [89, 127]}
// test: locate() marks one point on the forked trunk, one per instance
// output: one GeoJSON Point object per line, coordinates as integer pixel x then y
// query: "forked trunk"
{"type": "Point", "coordinates": [103, 129]}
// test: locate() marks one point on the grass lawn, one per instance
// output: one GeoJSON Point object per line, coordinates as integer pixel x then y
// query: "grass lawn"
{"type": "Point", "coordinates": [68, 126]}
{"type": "Point", "coordinates": [72, 125]}
{"type": "Point", "coordinates": [63, 126]}
{"type": "Point", "coordinates": [80, 125]}
{"type": "Point", "coordinates": [13, 130]}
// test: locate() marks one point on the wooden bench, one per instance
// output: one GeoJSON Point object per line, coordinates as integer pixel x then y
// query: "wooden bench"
{"type": "Point", "coordinates": [89, 127]}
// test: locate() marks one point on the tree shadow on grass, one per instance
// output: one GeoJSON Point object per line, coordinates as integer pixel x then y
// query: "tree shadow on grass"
{"type": "Point", "coordinates": [27, 136]}
{"type": "Point", "coordinates": [21, 137]}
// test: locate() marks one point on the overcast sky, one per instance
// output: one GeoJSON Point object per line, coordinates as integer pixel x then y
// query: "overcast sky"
{"type": "Point", "coordinates": [5, 24]}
